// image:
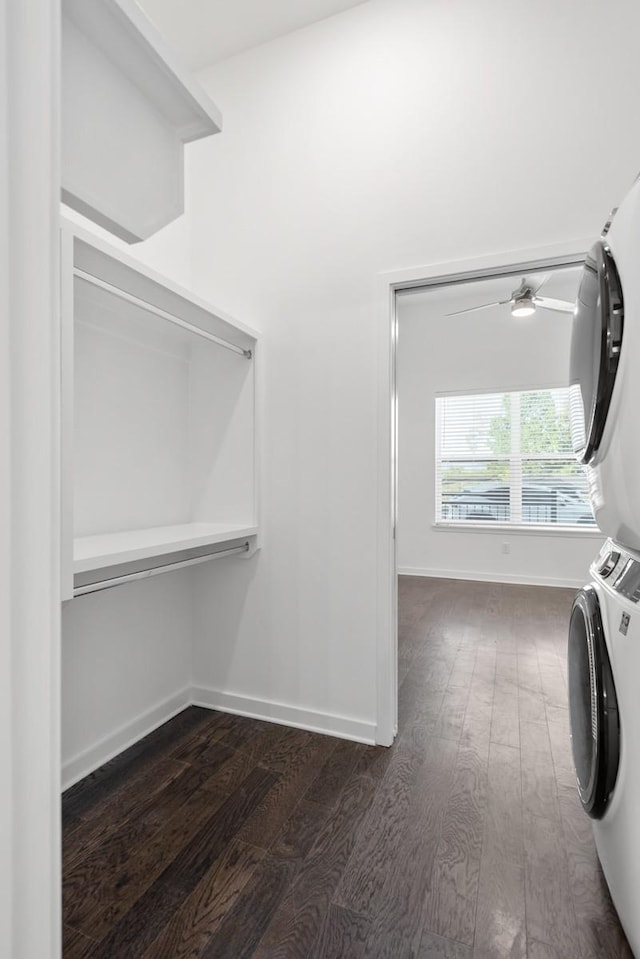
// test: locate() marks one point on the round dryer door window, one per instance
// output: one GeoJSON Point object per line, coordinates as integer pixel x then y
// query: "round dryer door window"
{"type": "Point", "coordinates": [593, 707]}
{"type": "Point", "coordinates": [596, 340]}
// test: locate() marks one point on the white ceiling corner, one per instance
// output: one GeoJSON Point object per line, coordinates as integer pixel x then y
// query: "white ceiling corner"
{"type": "Point", "coordinates": [203, 32]}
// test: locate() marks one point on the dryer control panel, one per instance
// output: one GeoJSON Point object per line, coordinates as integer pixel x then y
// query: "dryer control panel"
{"type": "Point", "coordinates": [628, 581]}
{"type": "Point", "coordinates": [621, 569]}
{"type": "Point", "coordinates": [608, 562]}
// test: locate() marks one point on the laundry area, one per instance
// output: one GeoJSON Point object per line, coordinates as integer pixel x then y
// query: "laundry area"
{"type": "Point", "coordinates": [319, 476]}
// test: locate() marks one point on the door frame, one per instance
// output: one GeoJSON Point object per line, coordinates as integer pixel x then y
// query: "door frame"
{"type": "Point", "coordinates": [30, 868]}
{"type": "Point", "coordinates": [388, 285]}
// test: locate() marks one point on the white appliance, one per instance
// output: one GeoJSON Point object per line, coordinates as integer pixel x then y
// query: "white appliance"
{"type": "Point", "coordinates": [605, 374]}
{"type": "Point", "coordinates": [604, 706]}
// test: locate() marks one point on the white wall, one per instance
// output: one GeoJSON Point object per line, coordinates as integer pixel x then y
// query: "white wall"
{"type": "Point", "coordinates": [126, 666]}
{"type": "Point", "coordinates": [392, 135]}
{"type": "Point", "coordinates": [484, 351]}
{"type": "Point", "coordinates": [129, 471]}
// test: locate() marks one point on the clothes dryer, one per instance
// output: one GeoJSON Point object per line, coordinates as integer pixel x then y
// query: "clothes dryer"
{"type": "Point", "coordinates": [605, 374]}
{"type": "Point", "coordinates": [604, 707]}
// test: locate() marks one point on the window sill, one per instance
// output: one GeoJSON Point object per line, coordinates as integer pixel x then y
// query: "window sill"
{"type": "Point", "coordinates": [588, 532]}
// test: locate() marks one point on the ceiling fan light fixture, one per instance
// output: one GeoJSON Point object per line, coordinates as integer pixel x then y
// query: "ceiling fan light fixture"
{"type": "Point", "coordinates": [524, 302]}
{"type": "Point", "coordinates": [523, 306]}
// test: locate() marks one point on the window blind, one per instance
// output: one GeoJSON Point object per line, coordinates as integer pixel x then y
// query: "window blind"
{"type": "Point", "coordinates": [507, 458]}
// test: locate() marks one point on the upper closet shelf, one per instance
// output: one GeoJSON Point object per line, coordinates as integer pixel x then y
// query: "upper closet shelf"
{"type": "Point", "coordinates": [128, 108]}
{"type": "Point", "coordinates": [118, 281]}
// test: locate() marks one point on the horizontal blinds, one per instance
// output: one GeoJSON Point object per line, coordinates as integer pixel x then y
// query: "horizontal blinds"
{"type": "Point", "coordinates": [507, 458]}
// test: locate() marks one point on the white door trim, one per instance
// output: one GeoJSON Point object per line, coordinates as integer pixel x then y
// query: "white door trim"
{"type": "Point", "coordinates": [388, 284]}
{"type": "Point", "coordinates": [30, 920]}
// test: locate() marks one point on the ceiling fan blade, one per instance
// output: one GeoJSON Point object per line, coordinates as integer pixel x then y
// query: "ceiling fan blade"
{"type": "Point", "coordinates": [472, 309]}
{"type": "Point", "coordinates": [549, 303]}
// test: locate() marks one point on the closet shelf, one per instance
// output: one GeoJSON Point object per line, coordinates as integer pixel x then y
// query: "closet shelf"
{"type": "Point", "coordinates": [160, 414]}
{"type": "Point", "coordinates": [128, 108]}
{"type": "Point", "coordinates": [118, 283]}
{"type": "Point", "coordinates": [112, 549]}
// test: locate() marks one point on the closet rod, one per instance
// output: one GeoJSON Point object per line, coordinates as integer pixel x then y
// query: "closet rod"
{"type": "Point", "coordinates": [150, 308]}
{"type": "Point", "coordinates": [155, 571]}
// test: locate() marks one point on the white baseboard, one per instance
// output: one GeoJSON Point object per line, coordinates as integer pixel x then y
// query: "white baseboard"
{"type": "Point", "coordinates": [343, 727]}
{"type": "Point", "coordinates": [101, 752]}
{"type": "Point", "coordinates": [521, 580]}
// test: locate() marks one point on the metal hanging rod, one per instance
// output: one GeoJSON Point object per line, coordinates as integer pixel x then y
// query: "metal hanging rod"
{"type": "Point", "coordinates": [155, 571]}
{"type": "Point", "coordinates": [163, 314]}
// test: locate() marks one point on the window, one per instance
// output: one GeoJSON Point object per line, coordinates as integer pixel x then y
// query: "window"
{"type": "Point", "coordinates": [507, 458]}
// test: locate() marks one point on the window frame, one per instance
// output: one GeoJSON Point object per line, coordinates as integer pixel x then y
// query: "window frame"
{"type": "Point", "coordinates": [485, 526]}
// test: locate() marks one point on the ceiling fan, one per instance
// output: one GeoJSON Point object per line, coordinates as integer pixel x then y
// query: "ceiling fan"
{"type": "Point", "coordinates": [524, 301]}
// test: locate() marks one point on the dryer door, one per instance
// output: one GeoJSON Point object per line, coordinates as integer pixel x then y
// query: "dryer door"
{"type": "Point", "coordinates": [593, 707]}
{"type": "Point", "coordinates": [596, 341]}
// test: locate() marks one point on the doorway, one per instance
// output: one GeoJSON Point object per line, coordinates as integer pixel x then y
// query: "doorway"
{"type": "Point", "coordinates": [460, 281]}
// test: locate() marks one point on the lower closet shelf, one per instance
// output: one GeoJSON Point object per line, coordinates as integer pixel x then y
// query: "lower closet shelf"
{"type": "Point", "coordinates": [113, 558]}
{"type": "Point", "coordinates": [110, 549]}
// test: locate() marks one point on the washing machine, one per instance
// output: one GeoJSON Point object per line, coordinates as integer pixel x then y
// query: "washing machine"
{"type": "Point", "coordinates": [605, 373]}
{"type": "Point", "coordinates": [604, 708]}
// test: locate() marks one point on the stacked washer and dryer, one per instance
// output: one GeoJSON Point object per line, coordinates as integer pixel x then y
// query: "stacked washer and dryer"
{"type": "Point", "coordinates": [604, 631]}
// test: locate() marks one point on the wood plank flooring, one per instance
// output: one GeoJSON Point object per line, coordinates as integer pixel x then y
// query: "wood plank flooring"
{"type": "Point", "coordinates": [219, 837]}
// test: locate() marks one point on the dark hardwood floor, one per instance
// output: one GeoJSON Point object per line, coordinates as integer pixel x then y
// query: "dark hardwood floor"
{"type": "Point", "coordinates": [219, 837]}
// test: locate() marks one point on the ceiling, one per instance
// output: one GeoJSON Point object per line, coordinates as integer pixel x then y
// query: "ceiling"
{"type": "Point", "coordinates": [205, 31]}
